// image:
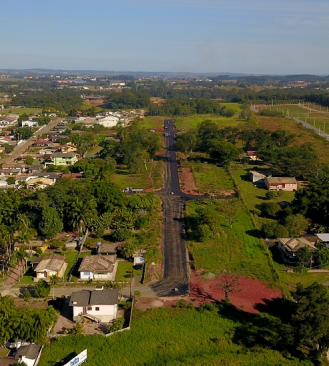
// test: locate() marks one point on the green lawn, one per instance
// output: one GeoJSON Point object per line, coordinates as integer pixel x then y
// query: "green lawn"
{"type": "Point", "coordinates": [22, 110]}
{"type": "Point", "coordinates": [70, 257]}
{"type": "Point", "coordinates": [151, 178]}
{"type": "Point", "coordinates": [123, 272]}
{"type": "Point", "coordinates": [191, 122]}
{"type": "Point", "coordinates": [237, 249]}
{"type": "Point", "coordinates": [173, 337]}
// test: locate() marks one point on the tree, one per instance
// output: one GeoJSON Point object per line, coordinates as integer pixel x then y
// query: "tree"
{"type": "Point", "coordinates": [296, 224]}
{"type": "Point", "coordinates": [229, 283]}
{"type": "Point", "coordinates": [50, 224]}
{"type": "Point", "coordinates": [9, 148]}
{"type": "Point", "coordinates": [309, 320]}
{"type": "Point", "coordinates": [41, 289]}
{"type": "Point", "coordinates": [229, 210]}
{"type": "Point", "coordinates": [304, 257]}
{"type": "Point", "coordinates": [23, 133]}
{"type": "Point", "coordinates": [128, 249]}
{"type": "Point", "coordinates": [11, 180]}
{"type": "Point", "coordinates": [29, 160]}
{"type": "Point", "coordinates": [223, 152]}
{"type": "Point", "coordinates": [270, 209]}
{"type": "Point", "coordinates": [321, 255]}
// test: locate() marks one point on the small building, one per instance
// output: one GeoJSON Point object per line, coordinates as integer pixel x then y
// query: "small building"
{"type": "Point", "coordinates": [289, 246]}
{"type": "Point", "coordinates": [99, 305]}
{"type": "Point", "coordinates": [107, 249]}
{"type": "Point", "coordinates": [68, 148]}
{"type": "Point", "coordinates": [98, 267]}
{"type": "Point", "coordinates": [53, 265]}
{"type": "Point", "coordinates": [323, 238]}
{"type": "Point", "coordinates": [281, 183]}
{"type": "Point", "coordinates": [258, 176]}
{"type": "Point", "coordinates": [253, 156]}
{"type": "Point", "coordinates": [40, 183]}
{"type": "Point", "coordinates": [28, 354]}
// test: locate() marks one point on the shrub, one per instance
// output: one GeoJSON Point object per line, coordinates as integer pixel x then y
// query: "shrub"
{"type": "Point", "coordinates": [121, 235]}
{"type": "Point", "coordinates": [116, 325]}
{"type": "Point", "coordinates": [56, 243]}
{"type": "Point", "coordinates": [270, 195]}
{"type": "Point", "coordinates": [41, 289]}
{"type": "Point", "coordinates": [270, 209]}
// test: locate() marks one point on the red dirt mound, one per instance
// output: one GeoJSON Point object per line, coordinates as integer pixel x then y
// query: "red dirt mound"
{"type": "Point", "coordinates": [251, 294]}
{"type": "Point", "coordinates": [187, 182]}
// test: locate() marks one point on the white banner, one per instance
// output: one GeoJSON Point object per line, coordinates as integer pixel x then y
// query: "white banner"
{"type": "Point", "coordinates": [78, 360]}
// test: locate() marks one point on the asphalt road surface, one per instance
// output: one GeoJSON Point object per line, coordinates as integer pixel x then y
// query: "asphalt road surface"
{"type": "Point", "coordinates": [175, 281]}
{"type": "Point", "coordinates": [21, 148]}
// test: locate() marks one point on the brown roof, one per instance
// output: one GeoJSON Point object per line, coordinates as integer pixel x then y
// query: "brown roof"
{"type": "Point", "coordinates": [98, 263]}
{"type": "Point", "coordinates": [108, 248]}
{"type": "Point", "coordinates": [293, 244]}
{"type": "Point", "coordinates": [281, 180]}
{"type": "Point", "coordinates": [51, 263]}
{"type": "Point", "coordinates": [94, 297]}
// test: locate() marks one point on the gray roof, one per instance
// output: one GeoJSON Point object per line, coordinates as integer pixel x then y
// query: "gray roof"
{"type": "Point", "coordinates": [51, 263]}
{"type": "Point", "coordinates": [108, 248]}
{"type": "Point", "coordinates": [31, 351]}
{"type": "Point", "coordinates": [64, 155]}
{"type": "Point", "coordinates": [323, 237]}
{"type": "Point", "coordinates": [98, 263]}
{"type": "Point", "coordinates": [94, 297]}
{"type": "Point", "coordinates": [281, 180]}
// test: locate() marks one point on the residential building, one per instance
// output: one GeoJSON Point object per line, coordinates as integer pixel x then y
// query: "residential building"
{"type": "Point", "coordinates": [68, 148]}
{"type": "Point", "coordinates": [98, 267]}
{"type": "Point", "coordinates": [281, 183]}
{"type": "Point", "coordinates": [39, 183]}
{"type": "Point", "coordinates": [258, 176]}
{"type": "Point", "coordinates": [107, 249]}
{"type": "Point", "coordinates": [63, 158]}
{"type": "Point", "coordinates": [29, 123]}
{"type": "Point", "coordinates": [289, 246]}
{"type": "Point", "coordinates": [98, 305]}
{"type": "Point", "coordinates": [28, 354]}
{"type": "Point", "coordinates": [109, 121]}
{"type": "Point", "coordinates": [53, 265]}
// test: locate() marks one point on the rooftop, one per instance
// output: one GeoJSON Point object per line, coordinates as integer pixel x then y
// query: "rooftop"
{"type": "Point", "coordinates": [94, 297]}
{"type": "Point", "coordinates": [31, 351]}
{"type": "Point", "coordinates": [293, 244]}
{"type": "Point", "coordinates": [98, 263]}
{"type": "Point", "coordinates": [284, 180]}
{"type": "Point", "coordinates": [51, 263]}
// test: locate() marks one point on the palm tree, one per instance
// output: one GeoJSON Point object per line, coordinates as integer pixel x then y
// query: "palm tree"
{"type": "Point", "coordinates": [53, 282]}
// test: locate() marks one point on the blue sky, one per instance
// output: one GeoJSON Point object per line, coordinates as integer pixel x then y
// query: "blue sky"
{"type": "Point", "coordinates": [249, 36]}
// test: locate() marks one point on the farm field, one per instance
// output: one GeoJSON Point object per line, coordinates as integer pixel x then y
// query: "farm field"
{"type": "Point", "coordinates": [21, 111]}
{"type": "Point", "coordinates": [191, 122]}
{"type": "Point", "coordinates": [310, 113]}
{"type": "Point", "coordinates": [171, 337]}
{"type": "Point", "coordinates": [150, 179]}
{"type": "Point", "coordinates": [235, 248]}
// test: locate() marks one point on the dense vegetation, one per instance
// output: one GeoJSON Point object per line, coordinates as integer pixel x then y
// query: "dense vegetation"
{"type": "Point", "coordinates": [28, 324]}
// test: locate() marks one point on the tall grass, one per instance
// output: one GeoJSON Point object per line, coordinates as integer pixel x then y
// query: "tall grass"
{"type": "Point", "coordinates": [166, 337]}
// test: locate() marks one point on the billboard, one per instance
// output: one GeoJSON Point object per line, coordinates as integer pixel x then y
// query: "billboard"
{"type": "Point", "coordinates": [78, 360]}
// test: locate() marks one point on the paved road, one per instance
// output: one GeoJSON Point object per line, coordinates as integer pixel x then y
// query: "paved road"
{"type": "Point", "coordinates": [175, 279]}
{"type": "Point", "coordinates": [20, 149]}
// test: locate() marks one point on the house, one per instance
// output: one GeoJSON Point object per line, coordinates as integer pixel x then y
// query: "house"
{"type": "Point", "coordinates": [28, 354]}
{"type": "Point", "coordinates": [39, 183]}
{"type": "Point", "coordinates": [252, 156]}
{"type": "Point", "coordinates": [98, 305]}
{"type": "Point", "coordinates": [109, 121]}
{"type": "Point", "coordinates": [258, 176]}
{"type": "Point", "coordinates": [62, 158]}
{"type": "Point", "coordinates": [53, 265]}
{"type": "Point", "coordinates": [29, 123]}
{"type": "Point", "coordinates": [98, 267]}
{"type": "Point", "coordinates": [289, 246]}
{"type": "Point", "coordinates": [281, 183]}
{"type": "Point", "coordinates": [323, 238]}
{"type": "Point", "coordinates": [107, 248]}
{"type": "Point", "coordinates": [68, 148]}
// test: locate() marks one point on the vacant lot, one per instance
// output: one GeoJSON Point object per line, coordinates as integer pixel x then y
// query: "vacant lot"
{"type": "Point", "coordinates": [171, 337]}
{"type": "Point", "coordinates": [235, 248]}
{"type": "Point", "coordinates": [151, 179]}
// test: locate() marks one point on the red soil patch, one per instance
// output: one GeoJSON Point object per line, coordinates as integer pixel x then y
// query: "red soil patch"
{"type": "Point", "coordinates": [187, 182]}
{"type": "Point", "coordinates": [251, 296]}
{"type": "Point", "coordinates": [159, 129]}
{"type": "Point", "coordinates": [96, 102]}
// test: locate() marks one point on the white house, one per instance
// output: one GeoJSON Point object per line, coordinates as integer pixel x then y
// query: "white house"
{"type": "Point", "coordinates": [29, 123]}
{"type": "Point", "coordinates": [109, 121]}
{"type": "Point", "coordinates": [28, 354]}
{"type": "Point", "coordinates": [98, 305]}
{"type": "Point", "coordinates": [98, 267]}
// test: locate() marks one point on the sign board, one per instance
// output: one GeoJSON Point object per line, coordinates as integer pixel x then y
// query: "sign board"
{"type": "Point", "coordinates": [78, 360]}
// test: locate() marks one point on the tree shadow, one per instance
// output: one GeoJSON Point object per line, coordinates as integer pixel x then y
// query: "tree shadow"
{"type": "Point", "coordinates": [262, 198]}
{"type": "Point", "coordinates": [254, 233]}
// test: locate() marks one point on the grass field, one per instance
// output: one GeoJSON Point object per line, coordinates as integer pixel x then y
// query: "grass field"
{"type": "Point", "coordinates": [21, 110]}
{"type": "Point", "coordinates": [208, 177]}
{"type": "Point", "coordinates": [170, 337]}
{"type": "Point", "coordinates": [311, 114]}
{"type": "Point", "coordinates": [150, 179]}
{"type": "Point", "coordinates": [237, 249]}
